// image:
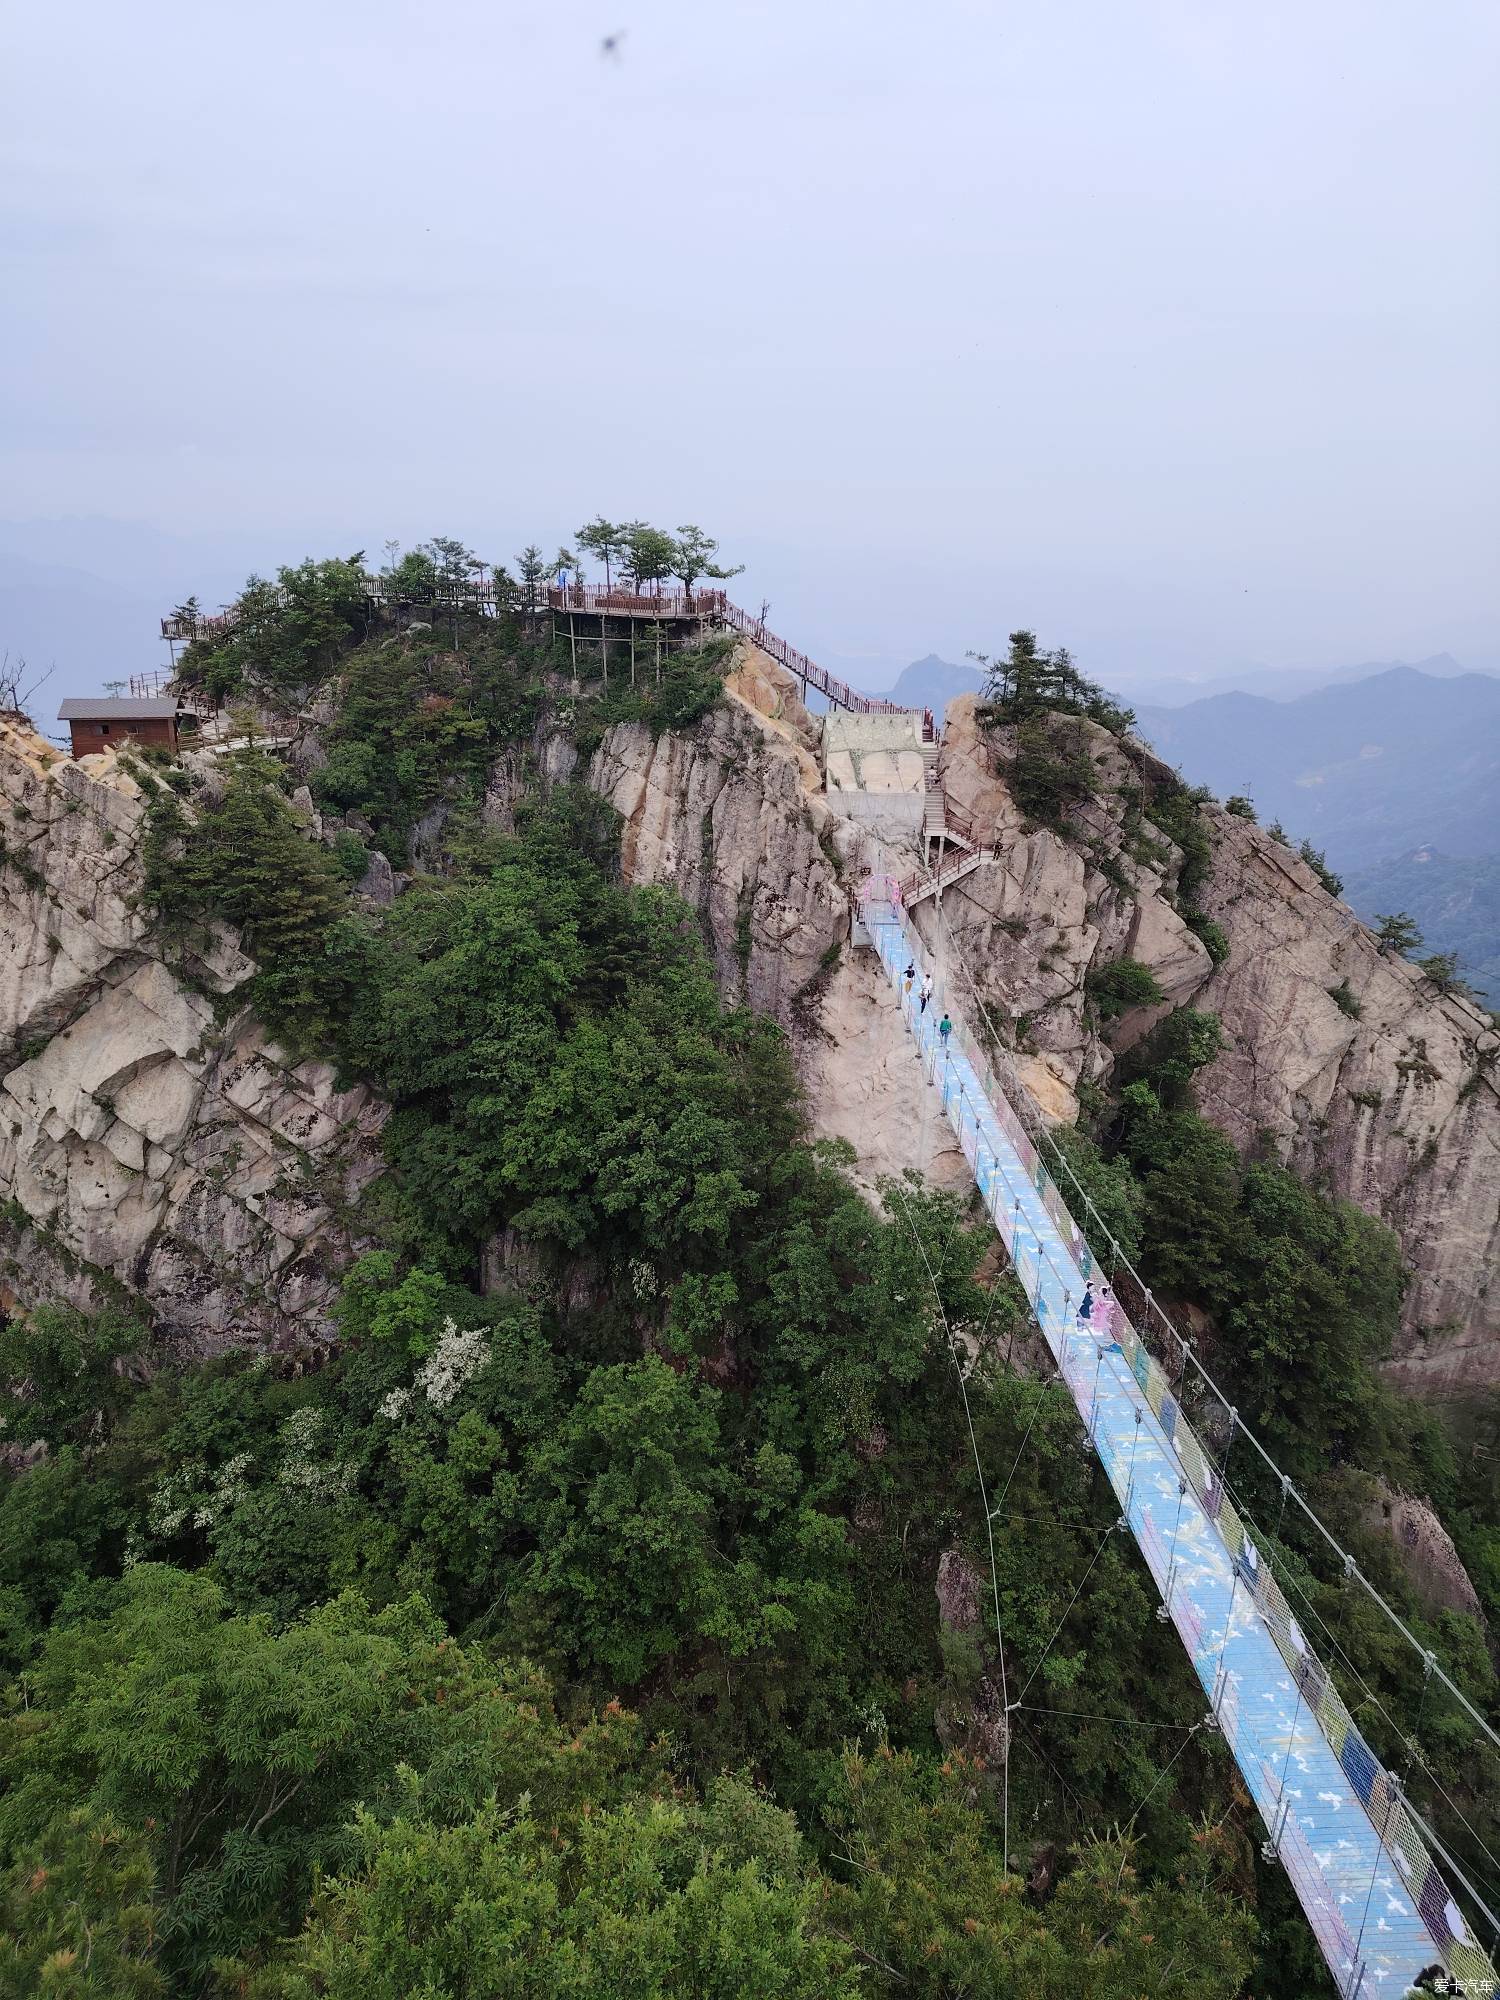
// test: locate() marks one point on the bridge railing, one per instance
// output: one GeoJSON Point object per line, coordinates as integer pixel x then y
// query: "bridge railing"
{"type": "Point", "coordinates": [807, 671]}
{"type": "Point", "coordinates": [1377, 1789]}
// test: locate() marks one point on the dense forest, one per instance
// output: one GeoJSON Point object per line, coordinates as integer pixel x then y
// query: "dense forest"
{"type": "Point", "coordinates": [628, 1626]}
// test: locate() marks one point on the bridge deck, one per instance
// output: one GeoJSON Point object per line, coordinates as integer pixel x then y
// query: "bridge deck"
{"type": "Point", "coordinates": [1352, 1886]}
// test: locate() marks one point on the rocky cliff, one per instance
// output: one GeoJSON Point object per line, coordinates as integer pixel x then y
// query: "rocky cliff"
{"type": "Point", "coordinates": [150, 1132]}
{"type": "Point", "coordinates": [1388, 1094]}
{"type": "Point", "coordinates": [151, 1135]}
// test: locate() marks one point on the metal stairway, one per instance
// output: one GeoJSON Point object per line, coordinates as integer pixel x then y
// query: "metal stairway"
{"type": "Point", "coordinates": [1355, 1853]}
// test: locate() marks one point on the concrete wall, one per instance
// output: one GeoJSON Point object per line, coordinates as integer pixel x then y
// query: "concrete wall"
{"type": "Point", "coordinates": [874, 753]}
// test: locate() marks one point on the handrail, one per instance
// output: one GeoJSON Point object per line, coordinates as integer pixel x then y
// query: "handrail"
{"type": "Point", "coordinates": [1399, 1830]}
{"type": "Point", "coordinates": [1187, 1351]}
{"type": "Point", "coordinates": [808, 671]}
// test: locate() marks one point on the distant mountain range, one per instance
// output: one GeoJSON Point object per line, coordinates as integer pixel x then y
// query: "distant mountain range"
{"type": "Point", "coordinates": [1393, 771]}
{"type": "Point", "coordinates": [1367, 769]}
{"type": "Point", "coordinates": [932, 683]}
{"type": "Point", "coordinates": [1396, 777]}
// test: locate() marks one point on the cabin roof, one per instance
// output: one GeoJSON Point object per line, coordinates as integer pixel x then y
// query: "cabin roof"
{"type": "Point", "coordinates": [105, 708]}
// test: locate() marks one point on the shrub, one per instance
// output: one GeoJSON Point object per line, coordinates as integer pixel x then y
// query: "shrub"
{"type": "Point", "coordinates": [1240, 806]}
{"type": "Point", "coordinates": [351, 854]}
{"type": "Point", "coordinates": [1344, 999]}
{"type": "Point", "coordinates": [1209, 934]}
{"type": "Point", "coordinates": [1050, 771]}
{"type": "Point", "coordinates": [1317, 861]}
{"type": "Point", "coordinates": [1118, 987]}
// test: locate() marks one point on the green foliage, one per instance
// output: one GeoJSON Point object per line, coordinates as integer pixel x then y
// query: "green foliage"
{"type": "Point", "coordinates": [1345, 999]}
{"type": "Point", "coordinates": [684, 687]}
{"type": "Point", "coordinates": [920, 1887]}
{"type": "Point", "coordinates": [77, 1915]}
{"type": "Point", "coordinates": [246, 861]}
{"type": "Point", "coordinates": [377, 1304]}
{"type": "Point", "coordinates": [1178, 810]}
{"type": "Point", "coordinates": [420, 721]}
{"type": "Point", "coordinates": [1212, 936]}
{"type": "Point", "coordinates": [1029, 683]}
{"type": "Point", "coordinates": [1108, 1184]}
{"type": "Point", "coordinates": [1240, 806]}
{"type": "Point", "coordinates": [1122, 984]}
{"type": "Point", "coordinates": [1051, 770]}
{"type": "Point", "coordinates": [60, 1378]}
{"type": "Point", "coordinates": [1442, 969]}
{"type": "Point", "coordinates": [1398, 933]}
{"type": "Point", "coordinates": [693, 556]}
{"type": "Point", "coordinates": [242, 1751]}
{"type": "Point", "coordinates": [351, 855]}
{"type": "Point", "coordinates": [1317, 861]}
{"type": "Point", "coordinates": [667, 1898]}
{"type": "Point", "coordinates": [286, 635]}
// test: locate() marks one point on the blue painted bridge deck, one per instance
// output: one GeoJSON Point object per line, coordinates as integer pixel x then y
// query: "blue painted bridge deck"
{"type": "Point", "coordinates": [1379, 1908]}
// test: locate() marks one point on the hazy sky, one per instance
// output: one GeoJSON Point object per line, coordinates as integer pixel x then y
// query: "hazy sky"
{"type": "Point", "coordinates": [1169, 329]}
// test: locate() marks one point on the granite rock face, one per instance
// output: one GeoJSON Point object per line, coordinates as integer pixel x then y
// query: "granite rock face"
{"type": "Point", "coordinates": [1388, 1095]}
{"type": "Point", "coordinates": [147, 1135]}
{"type": "Point", "coordinates": [151, 1132]}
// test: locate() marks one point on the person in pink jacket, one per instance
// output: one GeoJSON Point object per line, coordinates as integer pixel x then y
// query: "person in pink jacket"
{"type": "Point", "coordinates": [1102, 1318]}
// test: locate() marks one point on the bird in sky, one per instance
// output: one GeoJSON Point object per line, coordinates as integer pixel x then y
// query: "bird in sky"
{"type": "Point", "coordinates": [609, 46]}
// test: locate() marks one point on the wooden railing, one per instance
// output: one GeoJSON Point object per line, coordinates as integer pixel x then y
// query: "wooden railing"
{"type": "Point", "coordinates": [636, 603]}
{"type": "Point", "coordinates": [807, 671]}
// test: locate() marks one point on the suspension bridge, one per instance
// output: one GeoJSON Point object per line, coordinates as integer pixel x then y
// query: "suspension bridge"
{"type": "Point", "coordinates": [1358, 1856]}
{"type": "Point", "coordinates": [1363, 1862]}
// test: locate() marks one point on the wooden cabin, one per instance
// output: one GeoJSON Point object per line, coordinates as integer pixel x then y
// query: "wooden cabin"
{"type": "Point", "coordinates": [101, 722]}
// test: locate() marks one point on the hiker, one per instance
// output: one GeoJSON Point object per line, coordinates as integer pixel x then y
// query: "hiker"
{"type": "Point", "coordinates": [908, 978]}
{"type": "Point", "coordinates": [1103, 1317]}
{"type": "Point", "coordinates": [1086, 1306]}
{"type": "Point", "coordinates": [926, 990]}
{"type": "Point", "coordinates": [945, 1029]}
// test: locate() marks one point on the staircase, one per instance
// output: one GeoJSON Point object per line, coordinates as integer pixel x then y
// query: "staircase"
{"type": "Point", "coordinates": [1354, 1851]}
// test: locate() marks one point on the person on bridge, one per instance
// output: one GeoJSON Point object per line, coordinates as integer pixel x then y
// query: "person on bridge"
{"type": "Point", "coordinates": [1103, 1318]}
{"type": "Point", "coordinates": [945, 1029]}
{"type": "Point", "coordinates": [909, 978]}
{"type": "Point", "coordinates": [1086, 1307]}
{"type": "Point", "coordinates": [926, 990]}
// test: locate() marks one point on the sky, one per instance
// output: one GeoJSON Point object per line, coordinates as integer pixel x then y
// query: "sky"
{"type": "Point", "coordinates": [1167, 328]}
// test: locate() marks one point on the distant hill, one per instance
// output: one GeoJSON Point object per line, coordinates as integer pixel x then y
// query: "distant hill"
{"type": "Point", "coordinates": [1368, 769]}
{"type": "Point", "coordinates": [932, 683]}
{"type": "Point", "coordinates": [1396, 777]}
{"type": "Point", "coordinates": [1278, 683]}
{"type": "Point", "coordinates": [1456, 900]}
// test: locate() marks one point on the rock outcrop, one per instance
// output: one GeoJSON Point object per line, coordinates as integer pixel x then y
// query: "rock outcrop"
{"type": "Point", "coordinates": [151, 1135]}
{"type": "Point", "coordinates": [145, 1135]}
{"type": "Point", "coordinates": [1388, 1094]}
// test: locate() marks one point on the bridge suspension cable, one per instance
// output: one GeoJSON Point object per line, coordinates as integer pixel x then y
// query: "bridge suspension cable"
{"type": "Point", "coordinates": [1335, 1817]}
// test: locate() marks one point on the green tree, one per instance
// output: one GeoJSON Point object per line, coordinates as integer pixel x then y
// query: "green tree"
{"type": "Point", "coordinates": [242, 1749]}
{"type": "Point", "coordinates": [671, 1899]}
{"type": "Point", "coordinates": [1121, 985]}
{"type": "Point", "coordinates": [61, 1377]}
{"type": "Point", "coordinates": [605, 541]}
{"type": "Point", "coordinates": [693, 556]}
{"type": "Point", "coordinates": [247, 861]}
{"type": "Point", "coordinates": [1240, 806]}
{"type": "Point", "coordinates": [78, 1919]}
{"type": "Point", "coordinates": [627, 1492]}
{"type": "Point", "coordinates": [921, 1894]}
{"type": "Point", "coordinates": [1398, 934]}
{"type": "Point", "coordinates": [532, 573]}
{"type": "Point", "coordinates": [1317, 861]}
{"type": "Point", "coordinates": [650, 555]}
{"type": "Point", "coordinates": [1442, 969]}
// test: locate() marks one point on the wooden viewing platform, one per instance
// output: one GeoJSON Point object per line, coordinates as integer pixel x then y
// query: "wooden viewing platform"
{"type": "Point", "coordinates": [604, 603]}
